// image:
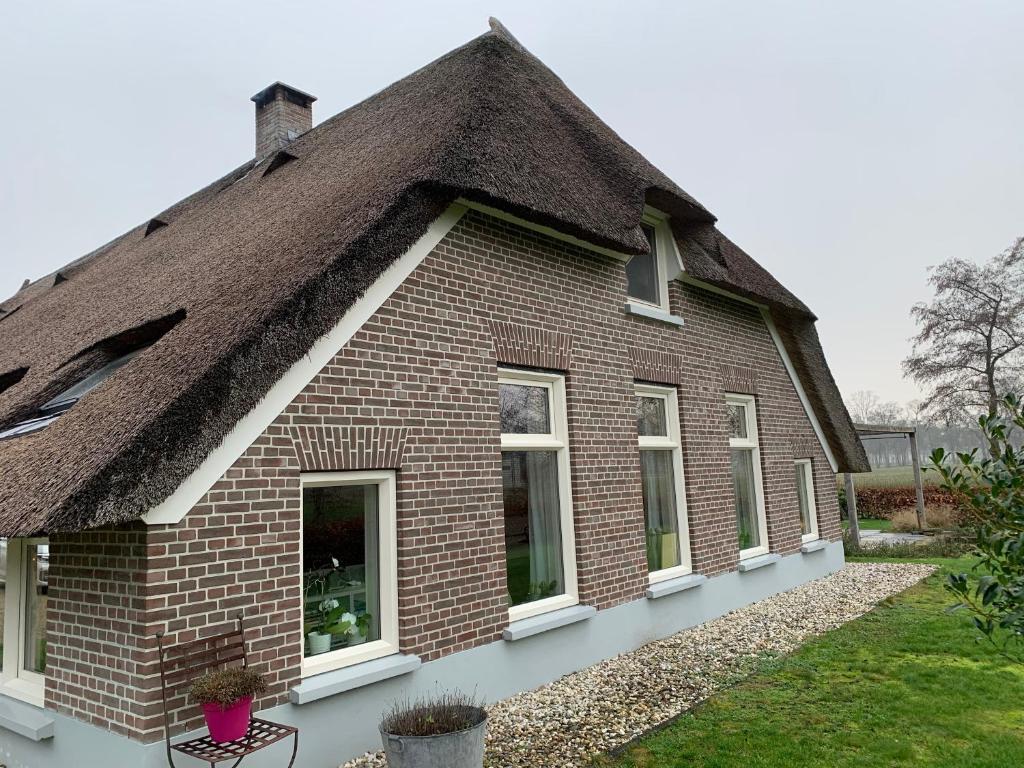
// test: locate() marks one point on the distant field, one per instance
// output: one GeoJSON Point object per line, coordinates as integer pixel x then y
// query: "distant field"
{"type": "Point", "coordinates": [890, 477]}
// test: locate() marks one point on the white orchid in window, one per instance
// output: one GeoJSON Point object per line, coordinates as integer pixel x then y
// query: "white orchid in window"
{"type": "Point", "coordinates": [351, 619]}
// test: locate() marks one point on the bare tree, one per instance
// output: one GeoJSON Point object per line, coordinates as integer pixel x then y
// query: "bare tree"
{"type": "Point", "coordinates": [866, 407]}
{"type": "Point", "coordinates": [968, 350]}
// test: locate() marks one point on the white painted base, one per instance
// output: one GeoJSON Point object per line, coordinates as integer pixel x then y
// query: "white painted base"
{"type": "Point", "coordinates": [337, 728]}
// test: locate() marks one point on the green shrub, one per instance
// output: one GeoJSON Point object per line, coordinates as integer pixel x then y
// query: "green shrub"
{"type": "Point", "coordinates": [883, 503]}
{"type": "Point", "coordinates": [993, 490]}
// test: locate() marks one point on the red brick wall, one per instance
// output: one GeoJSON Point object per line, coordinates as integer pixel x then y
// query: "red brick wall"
{"type": "Point", "coordinates": [95, 666]}
{"type": "Point", "coordinates": [422, 372]}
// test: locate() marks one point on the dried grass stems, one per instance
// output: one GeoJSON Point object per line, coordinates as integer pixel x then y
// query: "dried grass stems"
{"type": "Point", "coordinates": [434, 714]}
{"type": "Point", "coordinates": [226, 686]}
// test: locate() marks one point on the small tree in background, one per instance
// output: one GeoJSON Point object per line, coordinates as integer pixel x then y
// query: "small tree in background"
{"type": "Point", "coordinates": [993, 490]}
{"type": "Point", "coordinates": [970, 344]}
{"type": "Point", "coordinates": [866, 407]}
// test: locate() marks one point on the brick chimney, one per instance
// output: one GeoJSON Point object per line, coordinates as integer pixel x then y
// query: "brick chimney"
{"type": "Point", "coordinates": [283, 113]}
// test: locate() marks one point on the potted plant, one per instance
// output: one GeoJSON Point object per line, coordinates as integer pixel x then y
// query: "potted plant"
{"type": "Point", "coordinates": [226, 698]}
{"type": "Point", "coordinates": [442, 731]}
{"type": "Point", "coordinates": [329, 620]}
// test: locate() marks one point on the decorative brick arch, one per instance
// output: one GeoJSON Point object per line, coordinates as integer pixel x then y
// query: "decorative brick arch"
{"type": "Point", "coordinates": [325, 449]}
{"type": "Point", "coordinates": [531, 347]}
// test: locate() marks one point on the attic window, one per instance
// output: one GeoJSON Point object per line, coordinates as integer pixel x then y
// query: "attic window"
{"type": "Point", "coordinates": [648, 274]}
{"type": "Point", "coordinates": [277, 161]}
{"type": "Point", "coordinates": [642, 272]}
{"type": "Point", "coordinates": [153, 226]}
{"type": "Point", "coordinates": [52, 409]}
{"type": "Point", "coordinates": [9, 379]}
{"type": "Point", "coordinates": [110, 354]}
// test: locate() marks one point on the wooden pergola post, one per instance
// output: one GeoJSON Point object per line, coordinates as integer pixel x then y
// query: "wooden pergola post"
{"type": "Point", "coordinates": [851, 509]}
{"type": "Point", "coordinates": [886, 432]}
{"type": "Point", "coordinates": [915, 457]}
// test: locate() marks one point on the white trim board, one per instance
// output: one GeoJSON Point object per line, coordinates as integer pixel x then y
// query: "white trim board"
{"type": "Point", "coordinates": [799, 388]}
{"type": "Point", "coordinates": [174, 508]}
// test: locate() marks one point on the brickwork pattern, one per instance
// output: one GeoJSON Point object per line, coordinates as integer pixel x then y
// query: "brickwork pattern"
{"type": "Point", "coordinates": [96, 606]}
{"type": "Point", "coordinates": [323, 448]}
{"type": "Point", "coordinates": [531, 347]}
{"type": "Point", "coordinates": [275, 120]}
{"type": "Point", "coordinates": [425, 367]}
{"type": "Point", "coordinates": [740, 380]}
{"type": "Point", "coordinates": [656, 367]}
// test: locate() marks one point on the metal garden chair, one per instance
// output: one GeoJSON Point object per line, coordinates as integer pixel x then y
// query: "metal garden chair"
{"type": "Point", "coordinates": [180, 665]}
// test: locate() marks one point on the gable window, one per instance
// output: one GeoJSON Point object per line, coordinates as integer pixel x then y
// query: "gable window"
{"type": "Point", "coordinates": [643, 272]}
{"type": "Point", "coordinates": [805, 499]}
{"type": "Point", "coordinates": [24, 578]}
{"type": "Point", "coordinates": [661, 477]}
{"type": "Point", "coordinates": [349, 568]}
{"type": "Point", "coordinates": [53, 408]}
{"type": "Point", "coordinates": [745, 456]}
{"type": "Point", "coordinates": [540, 553]}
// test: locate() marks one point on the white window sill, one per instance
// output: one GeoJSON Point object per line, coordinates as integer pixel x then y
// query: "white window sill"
{"type": "Point", "coordinates": [25, 720]}
{"type": "Point", "coordinates": [534, 625]}
{"type": "Point", "coordinates": [753, 563]}
{"type": "Point", "coordinates": [813, 546]}
{"type": "Point", "coordinates": [541, 607]}
{"type": "Point", "coordinates": [672, 586]}
{"type": "Point", "coordinates": [21, 689]}
{"type": "Point", "coordinates": [355, 676]}
{"type": "Point", "coordinates": [347, 657]}
{"type": "Point", "coordinates": [652, 313]}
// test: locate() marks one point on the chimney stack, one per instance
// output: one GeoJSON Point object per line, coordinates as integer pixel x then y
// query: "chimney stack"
{"type": "Point", "coordinates": [283, 113]}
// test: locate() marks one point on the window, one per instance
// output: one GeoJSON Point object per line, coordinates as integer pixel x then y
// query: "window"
{"type": "Point", "coordinates": [52, 409]}
{"type": "Point", "coordinates": [349, 569]}
{"type": "Point", "coordinates": [805, 499]}
{"type": "Point", "coordinates": [540, 554]}
{"type": "Point", "coordinates": [746, 475]}
{"type": "Point", "coordinates": [24, 578]}
{"type": "Point", "coordinates": [643, 274]}
{"type": "Point", "coordinates": [661, 477]}
{"type": "Point", "coordinates": [648, 274]}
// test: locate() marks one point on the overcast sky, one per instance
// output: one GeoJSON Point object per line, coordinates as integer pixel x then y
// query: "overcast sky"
{"type": "Point", "coordinates": [845, 146]}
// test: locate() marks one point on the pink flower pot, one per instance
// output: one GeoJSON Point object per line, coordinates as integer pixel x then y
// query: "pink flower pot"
{"type": "Point", "coordinates": [230, 722]}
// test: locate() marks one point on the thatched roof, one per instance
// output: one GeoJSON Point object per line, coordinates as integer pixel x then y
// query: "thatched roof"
{"type": "Point", "coordinates": [243, 276]}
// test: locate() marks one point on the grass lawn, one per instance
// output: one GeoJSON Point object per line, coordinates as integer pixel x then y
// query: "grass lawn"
{"type": "Point", "coordinates": [870, 525]}
{"type": "Point", "coordinates": [905, 685]}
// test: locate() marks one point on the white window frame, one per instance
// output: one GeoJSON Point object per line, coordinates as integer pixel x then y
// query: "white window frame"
{"type": "Point", "coordinates": [812, 509]}
{"type": "Point", "coordinates": [556, 440]}
{"type": "Point", "coordinates": [751, 443]}
{"type": "Point", "coordinates": [663, 246]}
{"type": "Point", "coordinates": [388, 585]}
{"type": "Point", "coordinates": [671, 442]}
{"type": "Point", "coordinates": [15, 680]}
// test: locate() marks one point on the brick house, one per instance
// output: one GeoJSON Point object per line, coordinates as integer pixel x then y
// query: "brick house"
{"type": "Point", "coordinates": [458, 360]}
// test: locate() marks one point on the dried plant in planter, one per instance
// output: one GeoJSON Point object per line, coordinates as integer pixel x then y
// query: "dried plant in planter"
{"type": "Point", "coordinates": [226, 686]}
{"type": "Point", "coordinates": [448, 712]}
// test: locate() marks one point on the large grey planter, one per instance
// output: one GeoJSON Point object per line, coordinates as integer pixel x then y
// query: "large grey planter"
{"type": "Point", "coordinates": [462, 749]}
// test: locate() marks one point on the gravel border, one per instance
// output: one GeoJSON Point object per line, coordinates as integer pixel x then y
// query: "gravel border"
{"type": "Point", "coordinates": [567, 722]}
